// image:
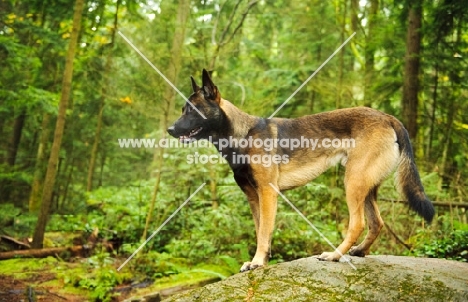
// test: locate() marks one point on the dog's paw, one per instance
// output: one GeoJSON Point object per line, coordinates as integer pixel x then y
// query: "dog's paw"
{"type": "Point", "coordinates": [355, 251]}
{"type": "Point", "coordinates": [250, 266]}
{"type": "Point", "coordinates": [329, 256]}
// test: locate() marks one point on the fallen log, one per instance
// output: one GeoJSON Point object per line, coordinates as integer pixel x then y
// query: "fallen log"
{"type": "Point", "coordinates": [75, 251]}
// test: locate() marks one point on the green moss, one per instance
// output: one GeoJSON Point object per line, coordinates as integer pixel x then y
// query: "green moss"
{"type": "Point", "coordinates": [18, 266]}
{"type": "Point", "coordinates": [372, 283]}
{"type": "Point", "coordinates": [184, 278]}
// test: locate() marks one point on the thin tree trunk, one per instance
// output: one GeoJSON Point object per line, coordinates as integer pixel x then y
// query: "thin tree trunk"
{"type": "Point", "coordinates": [318, 52]}
{"type": "Point", "coordinates": [35, 195]}
{"type": "Point", "coordinates": [169, 97]}
{"type": "Point", "coordinates": [446, 167]}
{"type": "Point", "coordinates": [59, 189]}
{"type": "Point", "coordinates": [69, 173]}
{"type": "Point", "coordinates": [341, 57]}
{"type": "Point", "coordinates": [2, 124]}
{"type": "Point", "coordinates": [214, 56]}
{"type": "Point", "coordinates": [354, 26]}
{"type": "Point", "coordinates": [49, 182]}
{"type": "Point", "coordinates": [16, 138]}
{"type": "Point", "coordinates": [97, 136]}
{"type": "Point", "coordinates": [433, 113]}
{"type": "Point", "coordinates": [213, 187]}
{"type": "Point", "coordinates": [369, 52]}
{"type": "Point", "coordinates": [94, 149]}
{"type": "Point", "coordinates": [101, 172]}
{"type": "Point", "coordinates": [7, 184]}
{"type": "Point", "coordinates": [411, 73]}
{"type": "Point", "coordinates": [444, 179]}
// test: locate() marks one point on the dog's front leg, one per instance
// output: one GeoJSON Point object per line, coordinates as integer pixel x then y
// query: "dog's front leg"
{"type": "Point", "coordinates": [266, 212]}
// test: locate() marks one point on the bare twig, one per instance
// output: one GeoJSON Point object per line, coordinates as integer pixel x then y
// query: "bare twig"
{"type": "Point", "coordinates": [244, 15]}
{"type": "Point", "coordinates": [397, 238]}
{"type": "Point", "coordinates": [436, 203]}
{"type": "Point", "coordinates": [215, 27]}
{"type": "Point", "coordinates": [228, 26]}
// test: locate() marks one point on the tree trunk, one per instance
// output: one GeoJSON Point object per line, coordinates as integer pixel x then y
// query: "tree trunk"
{"type": "Point", "coordinates": [69, 173]}
{"type": "Point", "coordinates": [97, 136]}
{"type": "Point", "coordinates": [411, 72]}
{"type": "Point", "coordinates": [35, 195]}
{"type": "Point", "coordinates": [7, 184]}
{"type": "Point", "coordinates": [354, 26]}
{"type": "Point", "coordinates": [447, 166]}
{"type": "Point", "coordinates": [433, 114]}
{"type": "Point", "coordinates": [169, 97]}
{"type": "Point", "coordinates": [94, 150]}
{"type": "Point", "coordinates": [213, 187]}
{"type": "Point", "coordinates": [16, 138]}
{"type": "Point", "coordinates": [344, 7]}
{"type": "Point", "coordinates": [369, 51]}
{"type": "Point", "coordinates": [49, 182]}
{"type": "Point", "coordinates": [315, 94]}
{"type": "Point", "coordinates": [101, 172]}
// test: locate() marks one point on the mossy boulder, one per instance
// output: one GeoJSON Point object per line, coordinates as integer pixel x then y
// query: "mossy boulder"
{"type": "Point", "coordinates": [376, 278]}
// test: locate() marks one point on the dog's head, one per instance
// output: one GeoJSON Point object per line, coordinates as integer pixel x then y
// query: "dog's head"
{"type": "Point", "coordinates": [205, 100]}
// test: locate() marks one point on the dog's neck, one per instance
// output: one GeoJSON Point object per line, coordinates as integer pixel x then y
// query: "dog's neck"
{"type": "Point", "coordinates": [244, 121]}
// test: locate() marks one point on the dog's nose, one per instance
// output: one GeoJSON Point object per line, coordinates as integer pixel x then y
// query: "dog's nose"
{"type": "Point", "coordinates": [171, 130]}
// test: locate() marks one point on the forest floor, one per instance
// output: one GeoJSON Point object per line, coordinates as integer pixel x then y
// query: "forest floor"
{"type": "Point", "coordinates": [34, 288]}
{"type": "Point", "coordinates": [51, 280]}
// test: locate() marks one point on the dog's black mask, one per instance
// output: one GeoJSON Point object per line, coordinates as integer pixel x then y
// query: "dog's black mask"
{"type": "Point", "coordinates": [204, 121]}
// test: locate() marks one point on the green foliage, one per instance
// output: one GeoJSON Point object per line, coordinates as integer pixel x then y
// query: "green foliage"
{"type": "Point", "coordinates": [15, 222]}
{"type": "Point", "coordinates": [155, 265]}
{"type": "Point", "coordinates": [447, 244]}
{"type": "Point", "coordinates": [279, 45]}
{"type": "Point", "coordinates": [98, 277]}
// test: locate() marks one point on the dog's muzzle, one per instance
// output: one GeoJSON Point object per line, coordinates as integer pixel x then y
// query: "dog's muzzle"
{"type": "Point", "coordinates": [171, 130]}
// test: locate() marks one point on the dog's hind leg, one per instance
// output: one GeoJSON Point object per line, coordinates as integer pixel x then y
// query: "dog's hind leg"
{"type": "Point", "coordinates": [374, 221]}
{"type": "Point", "coordinates": [374, 158]}
{"type": "Point", "coordinates": [355, 196]}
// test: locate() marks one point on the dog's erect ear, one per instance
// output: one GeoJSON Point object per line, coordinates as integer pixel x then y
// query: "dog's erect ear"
{"type": "Point", "coordinates": [209, 88]}
{"type": "Point", "coordinates": [195, 87]}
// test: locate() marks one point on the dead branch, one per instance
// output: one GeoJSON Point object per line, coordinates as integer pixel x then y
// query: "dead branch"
{"type": "Point", "coordinates": [435, 203]}
{"type": "Point", "coordinates": [244, 15]}
{"type": "Point", "coordinates": [13, 241]}
{"type": "Point", "coordinates": [396, 237]}
{"type": "Point", "coordinates": [228, 25]}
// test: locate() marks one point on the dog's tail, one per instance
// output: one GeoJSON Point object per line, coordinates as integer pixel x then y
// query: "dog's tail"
{"type": "Point", "coordinates": [408, 180]}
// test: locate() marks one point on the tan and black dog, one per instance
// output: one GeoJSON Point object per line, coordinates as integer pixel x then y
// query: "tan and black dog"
{"type": "Point", "coordinates": [380, 144]}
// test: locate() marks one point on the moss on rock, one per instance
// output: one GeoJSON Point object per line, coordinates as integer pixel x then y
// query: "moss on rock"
{"type": "Point", "coordinates": [377, 278]}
